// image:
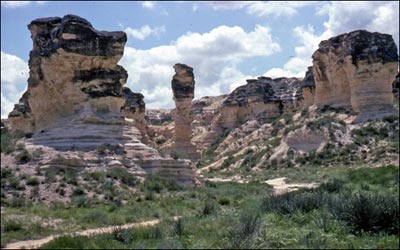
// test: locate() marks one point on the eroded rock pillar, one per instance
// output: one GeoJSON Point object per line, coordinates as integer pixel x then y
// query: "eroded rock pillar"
{"type": "Point", "coordinates": [183, 91]}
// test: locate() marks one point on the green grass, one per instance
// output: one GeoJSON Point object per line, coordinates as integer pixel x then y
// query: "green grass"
{"type": "Point", "coordinates": [233, 215]}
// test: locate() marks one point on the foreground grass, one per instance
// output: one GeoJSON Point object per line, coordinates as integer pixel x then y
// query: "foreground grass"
{"type": "Point", "coordinates": [232, 215]}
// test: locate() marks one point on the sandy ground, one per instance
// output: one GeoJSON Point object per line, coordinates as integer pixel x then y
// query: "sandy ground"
{"type": "Point", "coordinates": [279, 184]}
{"type": "Point", "coordinates": [29, 244]}
{"type": "Point", "coordinates": [281, 187]}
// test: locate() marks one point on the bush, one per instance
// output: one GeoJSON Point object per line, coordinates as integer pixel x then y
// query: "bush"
{"type": "Point", "coordinates": [333, 185]}
{"type": "Point", "coordinates": [23, 157]}
{"type": "Point", "coordinates": [242, 233]}
{"type": "Point", "coordinates": [289, 203]}
{"type": "Point", "coordinates": [32, 181]}
{"type": "Point", "coordinates": [224, 201]}
{"type": "Point", "coordinates": [122, 174]}
{"type": "Point", "coordinates": [367, 212]}
{"type": "Point", "coordinates": [209, 207]}
{"type": "Point", "coordinates": [157, 183]}
{"type": "Point", "coordinates": [97, 217]}
{"type": "Point", "coordinates": [12, 226]}
{"type": "Point", "coordinates": [8, 140]}
{"type": "Point", "coordinates": [64, 242]}
{"type": "Point", "coordinates": [178, 227]}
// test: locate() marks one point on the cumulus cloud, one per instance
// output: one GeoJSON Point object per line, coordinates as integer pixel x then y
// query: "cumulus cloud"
{"type": "Point", "coordinates": [17, 4]}
{"type": "Point", "coordinates": [214, 55]}
{"type": "Point", "coordinates": [14, 75]}
{"type": "Point", "coordinates": [148, 4]}
{"type": "Point", "coordinates": [343, 17]}
{"type": "Point", "coordinates": [144, 32]}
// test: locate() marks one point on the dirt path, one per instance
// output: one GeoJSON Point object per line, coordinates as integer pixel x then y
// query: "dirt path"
{"type": "Point", "coordinates": [29, 244]}
{"type": "Point", "coordinates": [281, 187]}
{"type": "Point", "coordinates": [279, 184]}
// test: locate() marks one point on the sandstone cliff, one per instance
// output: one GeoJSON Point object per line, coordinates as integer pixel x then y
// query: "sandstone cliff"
{"type": "Point", "coordinates": [355, 71]}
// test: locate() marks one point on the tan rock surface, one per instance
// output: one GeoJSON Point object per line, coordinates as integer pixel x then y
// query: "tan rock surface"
{"type": "Point", "coordinates": [356, 71]}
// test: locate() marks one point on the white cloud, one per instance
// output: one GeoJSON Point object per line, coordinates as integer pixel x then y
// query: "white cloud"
{"type": "Point", "coordinates": [148, 4]}
{"type": "Point", "coordinates": [227, 5]}
{"type": "Point", "coordinates": [17, 4]}
{"type": "Point", "coordinates": [14, 75]}
{"type": "Point", "coordinates": [258, 8]}
{"type": "Point", "coordinates": [276, 8]}
{"type": "Point", "coordinates": [144, 32]}
{"type": "Point", "coordinates": [214, 55]}
{"type": "Point", "coordinates": [343, 17]}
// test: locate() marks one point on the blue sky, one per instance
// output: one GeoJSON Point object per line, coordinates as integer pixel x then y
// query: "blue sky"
{"type": "Point", "coordinates": [225, 42]}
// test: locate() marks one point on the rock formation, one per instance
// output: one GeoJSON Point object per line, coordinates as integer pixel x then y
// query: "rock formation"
{"type": "Point", "coordinates": [134, 108]}
{"type": "Point", "coordinates": [73, 67]}
{"type": "Point", "coordinates": [308, 86]}
{"type": "Point", "coordinates": [356, 71]}
{"type": "Point", "coordinates": [183, 91]}
{"type": "Point", "coordinates": [396, 86]}
{"type": "Point", "coordinates": [262, 98]}
{"type": "Point", "coordinates": [77, 108]}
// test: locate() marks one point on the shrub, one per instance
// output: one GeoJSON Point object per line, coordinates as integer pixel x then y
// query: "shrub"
{"type": "Point", "coordinates": [6, 172]}
{"type": "Point", "coordinates": [32, 181]}
{"type": "Point", "coordinates": [333, 185]}
{"type": "Point", "coordinates": [64, 242]}
{"type": "Point", "coordinates": [242, 233]}
{"type": "Point", "coordinates": [289, 203]}
{"type": "Point", "coordinates": [95, 217]}
{"type": "Point", "coordinates": [223, 201]}
{"type": "Point", "coordinates": [178, 227]}
{"type": "Point", "coordinates": [157, 183]}
{"type": "Point", "coordinates": [23, 157]}
{"type": "Point", "coordinates": [209, 207]}
{"type": "Point", "coordinates": [12, 226]}
{"type": "Point", "coordinates": [8, 140]}
{"type": "Point", "coordinates": [367, 212]}
{"type": "Point", "coordinates": [122, 174]}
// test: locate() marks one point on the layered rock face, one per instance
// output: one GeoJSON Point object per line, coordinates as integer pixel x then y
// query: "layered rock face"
{"type": "Point", "coordinates": [183, 91]}
{"type": "Point", "coordinates": [356, 71]}
{"type": "Point", "coordinates": [73, 67]}
{"type": "Point", "coordinates": [77, 108]}
{"type": "Point", "coordinates": [260, 99]}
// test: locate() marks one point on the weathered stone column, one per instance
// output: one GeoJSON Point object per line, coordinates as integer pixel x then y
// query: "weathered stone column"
{"type": "Point", "coordinates": [183, 91]}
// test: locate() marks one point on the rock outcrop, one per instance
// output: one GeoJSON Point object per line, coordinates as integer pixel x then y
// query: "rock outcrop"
{"type": "Point", "coordinates": [183, 91]}
{"type": "Point", "coordinates": [134, 108]}
{"type": "Point", "coordinates": [356, 71]}
{"type": "Point", "coordinates": [73, 67]}
{"type": "Point", "coordinates": [396, 86]}
{"type": "Point", "coordinates": [262, 98]}
{"type": "Point", "coordinates": [308, 86]}
{"type": "Point", "coordinates": [77, 108]}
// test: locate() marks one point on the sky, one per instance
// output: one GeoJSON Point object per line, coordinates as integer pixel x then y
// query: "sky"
{"type": "Point", "coordinates": [225, 42]}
